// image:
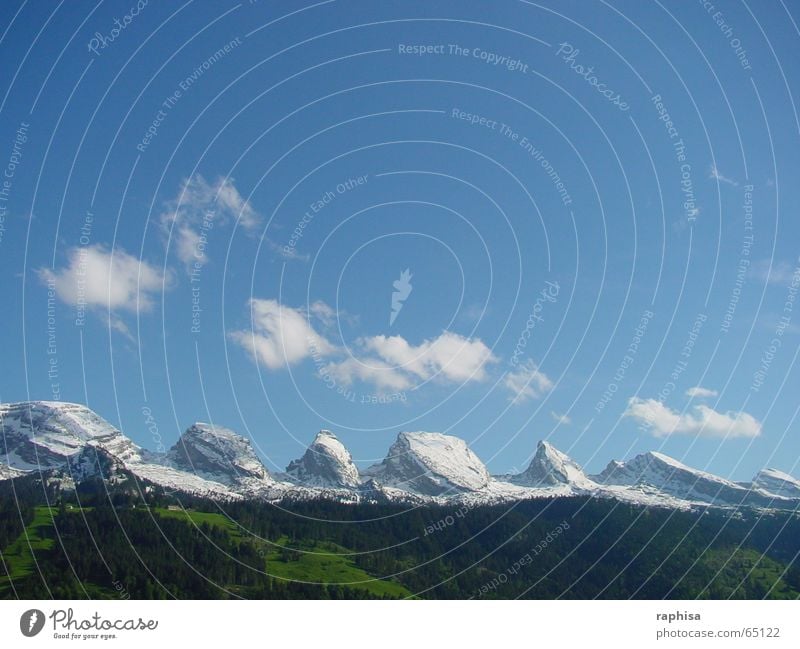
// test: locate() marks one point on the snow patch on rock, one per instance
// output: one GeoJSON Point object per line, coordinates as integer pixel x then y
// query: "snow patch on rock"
{"type": "Point", "coordinates": [778, 483]}
{"type": "Point", "coordinates": [326, 463]}
{"type": "Point", "coordinates": [550, 468]}
{"type": "Point", "coordinates": [216, 453]}
{"type": "Point", "coordinates": [431, 464]}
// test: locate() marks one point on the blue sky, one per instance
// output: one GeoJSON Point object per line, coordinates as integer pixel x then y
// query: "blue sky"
{"type": "Point", "coordinates": [209, 208]}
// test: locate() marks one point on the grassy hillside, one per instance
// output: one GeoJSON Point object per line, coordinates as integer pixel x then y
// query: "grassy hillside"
{"type": "Point", "coordinates": [316, 562]}
{"type": "Point", "coordinates": [743, 573]}
{"type": "Point", "coordinates": [19, 557]}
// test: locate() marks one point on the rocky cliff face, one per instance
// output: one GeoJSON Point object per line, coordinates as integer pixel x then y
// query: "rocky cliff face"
{"type": "Point", "coordinates": [431, 464]}
{"type": "Point", "coordinates": [326, 463]}
{"type": "Point", "coordinates": [216, 452]}
{"type": "Point", "coordinates": [549, 468]}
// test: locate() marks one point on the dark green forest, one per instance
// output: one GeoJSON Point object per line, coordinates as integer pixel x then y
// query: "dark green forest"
{"type": "Point", "coordinates": [94, 545]}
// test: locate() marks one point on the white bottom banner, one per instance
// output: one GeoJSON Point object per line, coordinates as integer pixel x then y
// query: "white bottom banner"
{"type": "Point", "coordinates": [332, 624]}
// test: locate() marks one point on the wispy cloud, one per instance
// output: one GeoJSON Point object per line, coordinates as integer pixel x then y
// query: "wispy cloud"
{"type": "Point", "coordinates": [473, 313]}
{"type": "Point", "coordinates": [199, 208]}
{"type": "Point", "coordinates": [560, 419]}
{"type": "Point", "coordinates": [280, 336]}
{"type": "Point", "coordinates": [774, 272]}
{"type": "Point", "coordinates": [701, 393]}
{"type": "Point", "coordinates": [381, 374]}
{"type": "Point", "coordinates": [662, 421]}
{"type": "Point", "coordinates": [527, 382]}
{"type": "Point", "coordinates": [773, 322]}
{"type": "Point", "coordinates": [118, 324]}
{"type": "Point", "coordinates": [323, 312]}
{"type": "Point", "coordinates": [95, 277]}
{"type": "Point", "coordinates": [328, 316]}
{"type": "Point", "coordinates": [715, 174]}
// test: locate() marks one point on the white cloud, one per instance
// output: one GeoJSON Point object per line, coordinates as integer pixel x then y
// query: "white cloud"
{"type": "Point", "coordinates": [527, 382]}
{"type": "Point", "coordinates": [474, 313]}
{"type": "Point", "coordinates": [117, 324]}
{"type": "Point", "coordinates": [323, 312]}
{"type": "Point", "coordinates": [230, 201]}
{"type": "Point", "coordinates": [703, 422]}
{"type": "Point", "coordinates": [188, 245]}
{"type": "Point", "coordinates": [96, 277]}
{"type": "Point", "coordinates": [200, 207]}
{"type": "Point", "coordinates": [716, 175]}
{"type": "Point", "coordinates": [283, 336]}
{"type": "Point", "coordinates": [449, 356]}
{"type": "Point", "coordinates": [771, 321]}
{"type": "Point", "coordinates": [380, 374]}
{"type": "Point", "coordinates": [775, 272]}
{"type": "Point", "coordinates": [391, 362]}
{"type": "Point", "coordinates": [561, 419]}
{"type": "Point", "coordinates": [701, 393]}
{"type": "Point", "coordinates": [280, 335]}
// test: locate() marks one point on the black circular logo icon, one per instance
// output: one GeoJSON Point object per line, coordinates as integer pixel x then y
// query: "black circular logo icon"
{"type": "Point", "coordinates": [31, 622]}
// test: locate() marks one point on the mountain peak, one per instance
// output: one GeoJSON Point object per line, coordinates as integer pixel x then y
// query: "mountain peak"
{"type": "Point", "coordinates": [71, 445]}
{"type": "Point", "coordinates": [550, 467]}
{"type": "Point", "coordinates": [45, 434]}
{"type": "Point", "coordinates": [326, 463]}
{"type": "Point", "coordinates": [655, 472]}
{"type": "Point", "coordinates": [778, 483]}
{"type": "Point", "coordinates": [325, 436]}
{"type": "Point", "coordinates": [431, 464]}
{"type": "Point", "coordinates": [218, 452]}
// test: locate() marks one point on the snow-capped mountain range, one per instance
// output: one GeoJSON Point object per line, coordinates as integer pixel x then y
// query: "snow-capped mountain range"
{"type": "Point", "coordinates": [71, 444]}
